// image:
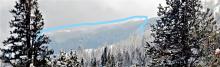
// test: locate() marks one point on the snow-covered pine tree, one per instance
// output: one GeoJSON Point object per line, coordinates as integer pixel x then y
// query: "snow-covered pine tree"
{"type": "Point", "coordinates": [139, 57]}
{"type": "Point", "coordinates": [180, 34]}
{"type": "Point", "coordinates": [119, 59]}
{"type": "Point", "coordinates": [26, 43]}
{"type": "Point", "coordinates": [93, 62]}
{"type": "Point", "coordinates": [127, 60]}
{"type": "Point", "coordinates": [61, 60]}
{"type": "Point", "coordinates": [73, 60]}
{"type": "Point", "coordinates": [104, 57]}
{"type": "Point", "coordinates": [110, 61]}
{"type": "Point", "coordinates": [113, 63]}
{"type": "Point", "coordinates": [82, 62]}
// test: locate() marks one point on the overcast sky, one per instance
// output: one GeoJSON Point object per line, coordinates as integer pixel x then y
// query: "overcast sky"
{"type": "Point", "coordinates": [62, 12]}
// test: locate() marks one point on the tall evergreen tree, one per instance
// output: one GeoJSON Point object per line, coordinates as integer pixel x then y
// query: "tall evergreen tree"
{"type": "Point", "coordinates": [73, 60]}
{"type": "Point", "coordinates": [180, 34]}
{"type": "Point", "coordinates": [104, 57]}
{"type": "Point", "coordinates": [26, 44]}
{"type": "Point", "coordinates": [110, 61]}
{"type": "Point", "coordinates": [127, 60]}
{"type": "Point", "coordinates": [93, 62]}
{"type": "Point", "coordinates": [82, 62]}
{"type": "Point", "coordinates": [119, 61]}
{"type": "Point", "coordinates": [61, 60]}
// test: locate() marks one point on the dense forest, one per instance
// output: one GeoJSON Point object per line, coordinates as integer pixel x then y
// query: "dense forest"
{"type": "Point", "coordinates": [185, 35]}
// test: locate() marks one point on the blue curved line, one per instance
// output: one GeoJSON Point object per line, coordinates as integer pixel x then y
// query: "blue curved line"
{"type": "Point", "coordinates": [142, 26]}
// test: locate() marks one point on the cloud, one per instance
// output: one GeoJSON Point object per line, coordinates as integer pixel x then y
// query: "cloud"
{"type": "Point", "coordinates": [60, 12]}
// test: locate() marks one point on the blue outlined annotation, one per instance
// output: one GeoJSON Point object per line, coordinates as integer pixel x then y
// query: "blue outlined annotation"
{"type": "Point", "coordinates": [142, 26]}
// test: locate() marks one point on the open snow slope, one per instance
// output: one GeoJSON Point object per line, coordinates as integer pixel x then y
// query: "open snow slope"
{"type": "Point", "coordinates": [95, 34]}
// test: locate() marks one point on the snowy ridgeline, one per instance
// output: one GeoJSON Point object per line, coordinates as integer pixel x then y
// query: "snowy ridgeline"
{"type": "Point", "coordinates": [93, 36]}
{"type": "Point", "coordinates": [125, 53]}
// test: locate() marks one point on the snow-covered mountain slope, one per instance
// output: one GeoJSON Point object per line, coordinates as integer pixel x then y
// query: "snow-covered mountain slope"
{"type": "Point", "coordinates": [95, 36]}
{"type": "Point", "coordinates": [131, 43]}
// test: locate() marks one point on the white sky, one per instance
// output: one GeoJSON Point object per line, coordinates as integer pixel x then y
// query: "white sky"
{"type": "Point", "coordinates": [59, 12]}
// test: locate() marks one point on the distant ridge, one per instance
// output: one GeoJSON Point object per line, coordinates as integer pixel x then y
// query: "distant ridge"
{"type": "Point", "coordinates": [97, 23]}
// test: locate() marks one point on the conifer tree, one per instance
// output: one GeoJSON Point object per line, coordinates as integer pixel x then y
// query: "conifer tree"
{"type": "Point", "coordinates": [126, 58]}
{"type": "Point", "coordinates": [82, 62]}
{"type": "Point", "coordinates": [104, 57]}
{"type": "Point", "coordinates": [61, 60]}
{"type": "Point", "coordinates": [180, 34]}
{"type": "Point", "coordinates": [119, 61]}
{"type": "Point", "coordinates": [110, 60]}
{"type": "Point", "coordinates": [93, 62]}
{"type": "Point", "coordinates": [26, 43]}
{"type": "Point", "coordinates": [73, 58]}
